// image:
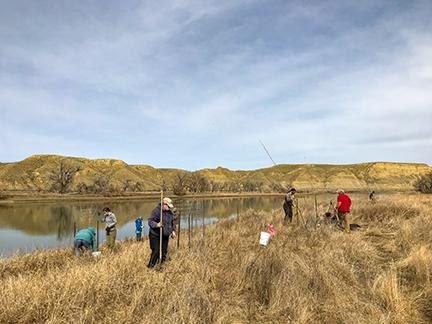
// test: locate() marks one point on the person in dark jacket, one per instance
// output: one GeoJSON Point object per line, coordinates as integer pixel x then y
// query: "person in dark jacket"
{"type": "Point", "coordinates": [288, 205]}
{"type": "Point", "coordinates": [155, 225]}
{"type": "Point", "coordinates": [85, 239]}
{"type": "Point", "coordinates": [372, 196]}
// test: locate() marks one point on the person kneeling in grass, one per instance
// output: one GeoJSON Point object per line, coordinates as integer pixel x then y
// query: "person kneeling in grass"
{"type": "Point", "coordinates": [85, 239]}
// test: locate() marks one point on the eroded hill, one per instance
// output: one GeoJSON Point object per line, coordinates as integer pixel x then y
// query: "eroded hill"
{"type": "Point", "coordinates": [53, 173]}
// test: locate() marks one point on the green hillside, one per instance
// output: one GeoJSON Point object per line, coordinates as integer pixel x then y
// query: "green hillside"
{"type": "Point", "coordinates": [53, 173]}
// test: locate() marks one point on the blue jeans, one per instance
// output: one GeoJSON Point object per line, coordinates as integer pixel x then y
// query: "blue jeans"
{"type": "Point", "coordinates": [80, 246]}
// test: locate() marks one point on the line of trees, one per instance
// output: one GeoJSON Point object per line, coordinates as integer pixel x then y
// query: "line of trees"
{"type": "Point", "coordinates": [197, 183]}
{"type": "Point", "coordinates": [62, 179]}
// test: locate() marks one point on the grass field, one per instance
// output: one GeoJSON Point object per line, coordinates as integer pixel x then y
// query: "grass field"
{"type": "Point", "coordinates": [379, 274]}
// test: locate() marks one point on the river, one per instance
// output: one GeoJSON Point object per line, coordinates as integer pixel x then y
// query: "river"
{"type": "Point", "coordinates": [26, 227]}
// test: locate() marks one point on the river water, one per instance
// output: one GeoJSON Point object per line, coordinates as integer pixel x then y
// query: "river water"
{"type": "Point", "coordinates": [31, 226]}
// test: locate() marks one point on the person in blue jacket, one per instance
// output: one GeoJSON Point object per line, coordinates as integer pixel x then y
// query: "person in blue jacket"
{"type": "Point", "coordinates": [138, 228]}
{"type": "Point", "coordinates": [155, 225]}
{"type": "Point", "coordinates": [85, 239]}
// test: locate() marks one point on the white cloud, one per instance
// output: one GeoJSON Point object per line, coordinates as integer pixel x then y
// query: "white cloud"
{"type": "Point", "coordinates": [310, 80]}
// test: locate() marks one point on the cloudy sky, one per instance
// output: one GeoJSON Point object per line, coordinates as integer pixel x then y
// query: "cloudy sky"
{"type": "Point", "coordinates": [198, 83]}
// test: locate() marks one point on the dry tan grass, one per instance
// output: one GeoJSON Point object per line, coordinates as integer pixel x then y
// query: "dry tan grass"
{"type": "Point", "coordinates": [380, 274]}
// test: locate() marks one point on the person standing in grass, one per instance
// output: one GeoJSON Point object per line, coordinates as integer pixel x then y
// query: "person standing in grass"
{"type": "Point", "coordinates": [342, 209]}
{"type": "Point", "coordinates": [138, 228]}
{"type": "Point", "coordinates": [288, 205]}
{"type": "Point", "coordinates": [372, 196]}
{"type": "Point", "coordinates": [110, 221]}
{"type": "Point", "coordinates": [155, 225]}
{"type": "Point", "coordinates": [85, 239]}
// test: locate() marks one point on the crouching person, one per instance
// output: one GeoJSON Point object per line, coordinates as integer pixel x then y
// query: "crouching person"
{"type": "Point", "coordinates": [155, 225]}
{"type": "Point", "coordinates": [85, 239]}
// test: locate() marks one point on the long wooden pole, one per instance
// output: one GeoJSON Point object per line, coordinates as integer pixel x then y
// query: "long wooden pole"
{"type": "Point", "coordinates": [189, 229]}
{"type": "Point", "coordinates": [161, 228]}
{"type": "Point", "coordinates": [179, 229]}
{"type": "Point", "coordinates": [238, 215]}
{"type": "Point", "coordinates": [97, 235]}
{"type": "Point", "coordinates": [316, 207]}
{"type": "Point", "coordinates": [203, 220]}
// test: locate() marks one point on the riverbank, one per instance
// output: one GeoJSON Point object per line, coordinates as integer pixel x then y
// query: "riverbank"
{"type": "Point", "coordinates": [381, 273]}
{"type": "Point", "coordinates": [10, 198]}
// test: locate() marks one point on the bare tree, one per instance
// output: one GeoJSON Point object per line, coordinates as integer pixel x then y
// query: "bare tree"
{"type": "Point", "coordinates": [197, 183]}
{"type": "Point", "coordinates": [277, 187]}
{"type": "Point", "coordinates": [251, 186]}
{"type": "Point", "coordinates": [164, 185]}
{"type": "Point", "coordinates": [62, 177]}
{"type": "Point", "coordinates": [180, 184]}
{"type": "Point", "coordinates": [130, 185]}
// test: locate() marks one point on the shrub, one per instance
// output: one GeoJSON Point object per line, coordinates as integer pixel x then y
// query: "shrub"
{"type": "Point", "coordinates": [424, 183]}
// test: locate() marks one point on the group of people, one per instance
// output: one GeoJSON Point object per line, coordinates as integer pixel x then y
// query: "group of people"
{"type": "Point", "coordinates": [85, 239]}
{"type": "Point", "coordinates": [341, 210]}
{"type": "Point", "coordinates": [164, 230]}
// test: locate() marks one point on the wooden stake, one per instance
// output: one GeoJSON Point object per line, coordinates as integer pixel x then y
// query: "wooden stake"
{"type": "Point", "coordinates": [238, 214]}
{"type": "Point", "coordinates": [189, 229]}
{"type": "Point", "coordinates": [203, 215]}
{"type": "Point", "coordinates": [161, 228]}
{"type": "Point", "coordinates": [97, 235]}
{"type": "Point", "coordinates": [178, 229]}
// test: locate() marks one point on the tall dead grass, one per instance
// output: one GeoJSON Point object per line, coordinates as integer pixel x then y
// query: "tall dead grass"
{"type": "Point", "coordinates": [381, 273]}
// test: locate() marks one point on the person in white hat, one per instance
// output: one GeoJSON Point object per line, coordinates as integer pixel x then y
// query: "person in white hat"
{"type": "Point", "coordinates": [155, 224]}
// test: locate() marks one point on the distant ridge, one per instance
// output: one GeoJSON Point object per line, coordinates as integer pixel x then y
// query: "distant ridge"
{"type": "Point", "coordinates": [54, 173]}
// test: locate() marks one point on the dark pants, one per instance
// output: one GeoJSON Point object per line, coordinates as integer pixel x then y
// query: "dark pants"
{"type": "Point", "coordinates": [288, 213]}
{"type": "Point", "coordinates": [81, 245]}
{"type": "Point", "coordinates": [154, 246]}
{"type": "Point", "coordinates": [138, 235]}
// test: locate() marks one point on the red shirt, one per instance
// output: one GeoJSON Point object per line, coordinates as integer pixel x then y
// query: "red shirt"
{"type": "Point", "coordinates": [345, 203]}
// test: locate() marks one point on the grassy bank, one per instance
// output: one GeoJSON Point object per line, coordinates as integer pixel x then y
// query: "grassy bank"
{"type": "Point", "coordinates": [28, 197]}
{"type": "Point", "coordinates": [381, 273]}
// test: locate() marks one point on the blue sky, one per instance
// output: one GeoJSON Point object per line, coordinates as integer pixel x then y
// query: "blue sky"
{"type": "Point", "coordinates": [197, 83]}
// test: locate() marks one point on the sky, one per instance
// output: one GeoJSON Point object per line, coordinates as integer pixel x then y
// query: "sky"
{"type": "Point", "coordinates": [195, 84]}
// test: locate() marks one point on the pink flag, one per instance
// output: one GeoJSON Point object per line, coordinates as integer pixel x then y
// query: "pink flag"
{"type": "Point", "coordinates": [271, 230]}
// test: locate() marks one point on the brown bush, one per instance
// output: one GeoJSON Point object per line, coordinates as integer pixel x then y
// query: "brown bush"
{"type": "Point", "coordinates": [424, 183]}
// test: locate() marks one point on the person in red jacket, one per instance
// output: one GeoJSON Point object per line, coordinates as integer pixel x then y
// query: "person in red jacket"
{"type": "Point", "coordinates": [343, 208]}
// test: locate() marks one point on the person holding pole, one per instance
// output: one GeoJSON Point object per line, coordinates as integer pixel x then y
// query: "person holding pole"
{"type": "Point", "coordinates": [288, 205]}
{"type": "Point", "coordinates": [110, 221]}
{"type": "Point", "coordinates": [158, 229]}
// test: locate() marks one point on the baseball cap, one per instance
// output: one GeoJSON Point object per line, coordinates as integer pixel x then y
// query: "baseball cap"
{"type": "Point", "coordinates": [168, 201]}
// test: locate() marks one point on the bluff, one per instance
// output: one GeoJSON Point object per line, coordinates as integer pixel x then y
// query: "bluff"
{"type": "Point", "coordinates": [54, 173]}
